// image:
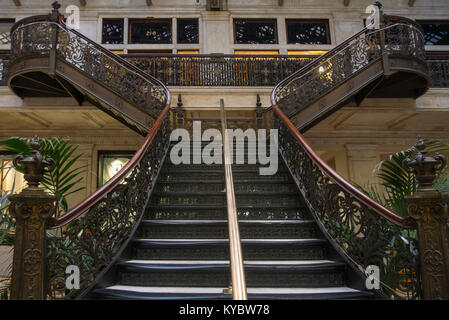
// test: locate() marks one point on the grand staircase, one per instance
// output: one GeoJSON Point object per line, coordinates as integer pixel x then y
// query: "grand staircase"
{"type": "Point", "coordinates": [160, 231]}
{"type": "Point", "coordinates": [181, 248]}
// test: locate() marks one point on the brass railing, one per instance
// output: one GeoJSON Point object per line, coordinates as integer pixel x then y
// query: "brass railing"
{"type": "Point", "coordinates": [235, 247]}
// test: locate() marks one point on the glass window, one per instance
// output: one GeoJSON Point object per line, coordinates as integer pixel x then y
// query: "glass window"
{"type": "Point", "coordinates": [5, 26]}
{"type": "Point", "coordinates": [251, 31]}
{"type": "Point", "coordinates": [436, 33]}
{"type": "Point", "coordinates": [308, 31]}
{"type": "Point", "coordinates": [188, 31]}
{"type": "Point", "coordinates": [150, 31]}
{"type": "Point", "coordinates": [112, 31]}
{"type": "Point", "coordinates": [111, 162]}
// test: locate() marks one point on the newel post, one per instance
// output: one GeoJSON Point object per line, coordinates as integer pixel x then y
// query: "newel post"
{"type": "Point", "coordinates": [430, 210]}
{"type": "Point", "coordinates": [31, 208]}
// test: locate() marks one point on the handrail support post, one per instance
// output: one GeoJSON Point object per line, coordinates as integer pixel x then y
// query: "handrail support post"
{"type": "Point", "coordinates": [32, 209]}
{"type": "Point", "coordinates": [430, 210]}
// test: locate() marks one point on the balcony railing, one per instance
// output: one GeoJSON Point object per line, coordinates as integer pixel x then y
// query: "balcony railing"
{"type": "Point", "coordinates": [234, 70]}
{"type": "Point", "coordinates": [219, 70]}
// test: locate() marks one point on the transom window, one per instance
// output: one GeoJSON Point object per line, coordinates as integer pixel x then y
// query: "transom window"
{"type": "Point", "coordinates": [255, 31]}
{"type": "Point", "coordinates": [150, 31]}
{"type": "Point", "coordinates": [308, 31]}
{"type": "Point", "coordinates": [187, 30]}
{"type": "Point", "coordinates": [436, 33]}
{"type": "Point", "coordinates": [112, 32]}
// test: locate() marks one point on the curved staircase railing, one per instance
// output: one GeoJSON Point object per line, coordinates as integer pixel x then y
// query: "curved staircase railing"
{"type": "Point", "coordinates": [364, 231]}
{"type": "Point", "coordinates": [38, 36]}
{"type": "Point", "coordinates": [94, 233]}
{"type": "Point", "coordinates": [398, 47]}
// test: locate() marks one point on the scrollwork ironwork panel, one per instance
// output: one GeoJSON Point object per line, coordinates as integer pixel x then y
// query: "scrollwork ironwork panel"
{"type": "Point", "coordinates": [35, 38]}
{"type": "Point", "coordinates": [329, 72]}
{"type": "Point", "coordinates": [221, 70]}
{"type": "Point", "coordinates": [93, 240]}
{"type": "Point", "coordinates": [362, 235]}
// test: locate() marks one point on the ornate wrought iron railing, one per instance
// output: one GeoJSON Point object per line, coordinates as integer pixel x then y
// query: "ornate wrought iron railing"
{"type": "Point", "coordinates": [439, 73]}
{"type": "Point", "coordinates": [219, 70]}
{"type": "Point", "coordinates": [38, 36]}
{"type": "Point", "coordinates": [93, 233]}
{"type": "Point", "coordinates": [351, 57]}
{"type": "Point", "coordinates": [364, 231]}
{"type": "Point", "coordinates": [185, 73]}
{"type": "Point", "coordinates": [3, 70]}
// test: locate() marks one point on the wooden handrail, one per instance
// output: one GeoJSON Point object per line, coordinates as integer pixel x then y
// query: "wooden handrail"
{"type": "Point", "coordinates": [404, 222]}
{"type": "Point", "coordinates": [235, 247]}
{"type": "Point", "coordinates": [115, 180]}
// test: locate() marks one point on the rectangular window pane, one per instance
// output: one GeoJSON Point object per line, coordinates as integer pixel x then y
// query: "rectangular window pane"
{"type": "Point", "coordinates": [5, 26]}
{"type": "Point", "coordinates": [112, 31]}
{"type": "Point", "coordinates": [436, 33]}
{"type": "Point", "coordinates": [249, 31]}
{"type": "Point", "coordinates": [188, 31]}
{"type": "Point", "coordinates": [308, 31]}
{"type": "Point", "coordinates": [111, 162]}
{"type": "Point", "coordinates": [150, 31]}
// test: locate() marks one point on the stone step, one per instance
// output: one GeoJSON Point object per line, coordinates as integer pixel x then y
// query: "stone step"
{"type": "Point", "coordinates": [206, 229]}
{"type": "Point", "coordinates": [207, 249]}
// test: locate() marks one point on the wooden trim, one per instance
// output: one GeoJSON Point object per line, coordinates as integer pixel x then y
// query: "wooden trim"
{"type": "Point", "coordinates": [114, 181]}
{"type": "Point", "coordinates": [404, 222]}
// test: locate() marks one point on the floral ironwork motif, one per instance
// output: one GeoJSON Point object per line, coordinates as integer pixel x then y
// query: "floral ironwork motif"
{"type": "Point", "coordinates": [93, 240]}
{"type": "Point", "coordinates": [220, 70]}
{"type": "Point", "coordinates": [328, 72]}
{"type": "Point", "coordinates": [361, 234]}
{"type": "Point", "coordinates": [35, 38]}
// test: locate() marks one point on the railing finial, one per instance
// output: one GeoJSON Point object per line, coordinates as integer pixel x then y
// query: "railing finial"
{"type": "Point", "coordinates": [378, 4]}
{"type": "Point", "coordinates": [54, 15]}
{"type": "Point", "coordinates": [424, 166]}
{"type": "Point", "coordinates": [34, 165]}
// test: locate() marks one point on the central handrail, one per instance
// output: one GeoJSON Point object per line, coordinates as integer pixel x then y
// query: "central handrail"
{"type": "Point", "coordinates": [237, 270]}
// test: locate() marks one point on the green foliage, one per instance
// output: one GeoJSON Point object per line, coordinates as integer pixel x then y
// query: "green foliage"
{"type": "Point", "coordinates": [64, 179]}
{"type": "Point", "coordinates": [6, 221]}
{"type": "Point", "coordinates": [398, 183]}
